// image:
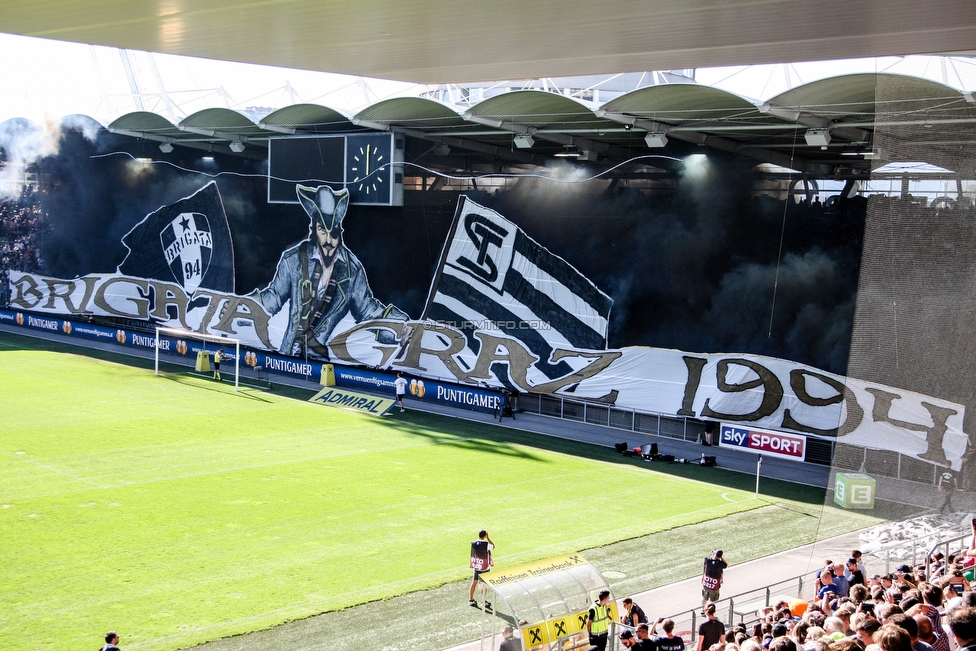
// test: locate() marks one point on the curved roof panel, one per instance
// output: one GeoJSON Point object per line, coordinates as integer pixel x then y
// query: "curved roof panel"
{"type": "Point", "coordinates": [307, 116]}
{"type": "Point", "coordinates": [415, 112]}
{"type": "Point", "coordinates": [536, 108]}
{"type": "Point", "coordinates": [223, 120]}
{"type": "Point", "coordinates": [857, 97]}
{"type": "Point", "coordinates": [145, 122]}
{"type": "Point", "coordinates": [680, 102]}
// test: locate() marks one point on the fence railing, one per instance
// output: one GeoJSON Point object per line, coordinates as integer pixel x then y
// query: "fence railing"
{"type": "Point", "coordinates": [819, 451]}
{"type": "Point", "coordinates": [629, 420]}
{"type": "Point", "coordinates": [742, 608]}
{"type": "Point", "coordinates": [946, 546]}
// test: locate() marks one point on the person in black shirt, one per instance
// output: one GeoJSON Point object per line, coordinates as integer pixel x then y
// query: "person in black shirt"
{"type": "Point", "coordinates": [644, 641]}
{"type": "Point", "coordinates": [710, 631]}
{"type": "Point", "coordinates": [853, 574]}
{"type": "Point", "coordinates": [947, 484]}
{"type": "Point", "coordinates": [509, 641]}
{"type": "Point", "coordinates": [712, 577]}
{"type": "Point", "coordinates": [633, 614]}
{"type": "Point", "coordinates": [481, 561]}
{"type": "Point", "coordinates": [669, 641]}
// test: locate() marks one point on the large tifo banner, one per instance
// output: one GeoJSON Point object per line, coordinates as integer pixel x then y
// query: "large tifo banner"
{"type": "Point", "coordinates": [502, 313]}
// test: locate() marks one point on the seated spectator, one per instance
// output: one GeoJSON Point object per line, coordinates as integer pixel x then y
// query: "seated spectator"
{"type": "Point", "coordinates": [633, 614]}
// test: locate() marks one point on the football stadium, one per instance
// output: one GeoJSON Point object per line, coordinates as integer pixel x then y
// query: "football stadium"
{"type": "Point", "coordinates": [388, 341]}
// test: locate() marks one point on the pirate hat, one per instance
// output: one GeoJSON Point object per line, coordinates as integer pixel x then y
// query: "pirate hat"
{"type": "Point", "coordinates": [325, 206]}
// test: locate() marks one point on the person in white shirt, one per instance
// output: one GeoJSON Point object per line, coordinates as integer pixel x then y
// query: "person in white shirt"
{"type": "Point", "coordinates": [401, 389]}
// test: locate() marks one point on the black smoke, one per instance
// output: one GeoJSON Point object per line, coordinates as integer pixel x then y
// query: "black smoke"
{"type": "Point", "coordinates": [711, 267]}
{"type": "Point", "coordinates": [97, 186]}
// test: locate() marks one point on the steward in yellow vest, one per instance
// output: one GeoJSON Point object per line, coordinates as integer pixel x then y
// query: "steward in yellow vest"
{"type": "Point", "coordinates": [598, 621]}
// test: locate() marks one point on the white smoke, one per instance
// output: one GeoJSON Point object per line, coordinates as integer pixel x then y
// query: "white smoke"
{"type": "Point", "coordinates": [24, 143]}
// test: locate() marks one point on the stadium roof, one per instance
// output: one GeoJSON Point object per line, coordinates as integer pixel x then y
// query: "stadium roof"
{"type": "Point", "coordinates": [449, 41]}
{"type": "Point", "coordinates": [824, 128]}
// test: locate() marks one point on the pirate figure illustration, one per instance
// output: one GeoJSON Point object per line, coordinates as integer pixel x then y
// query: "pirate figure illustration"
{"type": "Point", "coordinates": [321, 279]}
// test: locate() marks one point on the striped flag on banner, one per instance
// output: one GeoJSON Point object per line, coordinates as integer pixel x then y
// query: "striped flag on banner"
{"type": "Point", "coordinates": [494, 278]}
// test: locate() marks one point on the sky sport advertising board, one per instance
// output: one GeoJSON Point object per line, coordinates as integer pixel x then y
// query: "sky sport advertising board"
{"type": "Point", "coordinates": [761, 441]}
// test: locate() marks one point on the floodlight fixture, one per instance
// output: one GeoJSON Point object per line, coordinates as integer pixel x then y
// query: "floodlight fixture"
{"type": "Point", "coordinates": [166, 147]}
{"type": "Point", "coordinates": [524, 141]}
{"type": "Point", "coordinates": [817, 137]}
{"type": "Point", "coordinates": [237, 146]}
{"type": "Point", "coordinates": [656, 139]}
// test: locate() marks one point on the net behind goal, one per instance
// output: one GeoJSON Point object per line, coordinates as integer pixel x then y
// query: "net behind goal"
{"type": "Point", "coordinates": [195, 346]}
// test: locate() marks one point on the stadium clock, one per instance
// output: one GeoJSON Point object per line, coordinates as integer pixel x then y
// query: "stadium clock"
{"type": "Point", "coordinates": [369, 167]}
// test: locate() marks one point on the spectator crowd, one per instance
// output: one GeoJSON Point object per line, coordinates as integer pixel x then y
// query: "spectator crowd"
{"type": "Point", "coordinates": [21, 223]}
{"type": "Point", "coordinates": [928, 607]}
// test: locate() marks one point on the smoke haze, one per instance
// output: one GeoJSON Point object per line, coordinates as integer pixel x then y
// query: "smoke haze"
{"type": "Point", "coordinates": [701, 269]}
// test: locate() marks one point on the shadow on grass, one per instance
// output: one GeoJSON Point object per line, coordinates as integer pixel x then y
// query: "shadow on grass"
{"type": "Point", "coordinates": [717, 476]}
{"type": "Point", "coordinates": [180, 378]}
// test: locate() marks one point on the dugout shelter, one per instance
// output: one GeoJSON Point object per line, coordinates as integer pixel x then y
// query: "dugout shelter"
{"type": "Point", "coordinates": [545, 601]}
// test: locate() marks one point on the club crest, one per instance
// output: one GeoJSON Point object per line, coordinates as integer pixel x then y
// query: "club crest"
{"type": "Point", "coordinates": [187, 246]}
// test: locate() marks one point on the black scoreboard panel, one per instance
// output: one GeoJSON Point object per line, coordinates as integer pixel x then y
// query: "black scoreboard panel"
{"type": "Point", "coordinates": [369, 165]}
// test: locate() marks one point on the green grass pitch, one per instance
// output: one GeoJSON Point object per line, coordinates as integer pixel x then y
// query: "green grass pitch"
{"type": "Point", "coordinates": [178, 511]}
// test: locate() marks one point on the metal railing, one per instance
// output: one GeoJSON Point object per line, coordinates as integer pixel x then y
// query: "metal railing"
{"type": "Point", "coordinates": [742, 608]}
{"type": "Point", "coordinates": [630, 420]}
{"type": "Point", "coordinates": [921, 544]}
{"type": "Point", "coordinates": [943, 547]}
{"type": "Point", "coordinates": [886, 463]}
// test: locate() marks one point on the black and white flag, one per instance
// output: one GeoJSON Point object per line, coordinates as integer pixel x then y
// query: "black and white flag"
{"type": "Point", "coordinates": [494, 278]}
{"type": "Point", "coordinates": [187, 241]}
